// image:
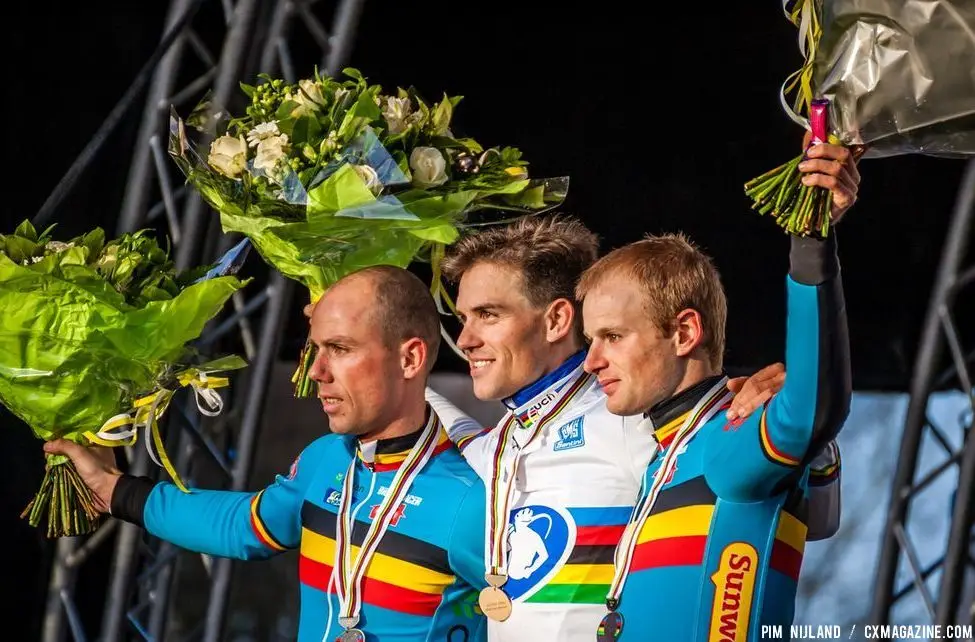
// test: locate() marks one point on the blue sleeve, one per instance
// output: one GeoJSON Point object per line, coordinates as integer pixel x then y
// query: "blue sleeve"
{"type": "Point", "coordinates": [238, 525]}
{"type": "Point", "coordinates": [465, 550]}
{"type": "Point", "coordinates": [751, 460]}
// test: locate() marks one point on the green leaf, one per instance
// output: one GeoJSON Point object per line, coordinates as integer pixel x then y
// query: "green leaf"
{"type": "Point", "coordinates": [19, 249]}
{"type": "Point", "coordinates": [472, 145]}
{"type": "Point", "coordinates": [26, 230]}
{"type": "Point", "coordinates": [306, 130]}
{"type": "Point", "coordinates": [353, 73]}
{"type": "Point", "coordinates": [46, 234]}
{"type": "Point", "coordinates": [77, 255]}
{"type": "Point", "coordinates": [284, 111]}
{"type": "Point", "coordinates": [247, 89]}
{"type": "Point", "coordinates": [441, 117]}
{"type": "Point", "coordinates": [152, 293]}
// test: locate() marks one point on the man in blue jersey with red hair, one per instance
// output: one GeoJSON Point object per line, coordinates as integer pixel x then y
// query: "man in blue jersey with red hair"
{"type": "Point", "coordinates": [714, 547]}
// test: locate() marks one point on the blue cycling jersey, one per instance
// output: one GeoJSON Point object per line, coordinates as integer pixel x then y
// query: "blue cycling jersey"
{"type": "Point", "coordinates": [721, 551]}
{"type": "Point", "coordinates": [422, 583]}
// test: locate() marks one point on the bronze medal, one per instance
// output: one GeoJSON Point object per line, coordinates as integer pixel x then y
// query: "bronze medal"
{"type": "Point", "coordinates": [495, 604]}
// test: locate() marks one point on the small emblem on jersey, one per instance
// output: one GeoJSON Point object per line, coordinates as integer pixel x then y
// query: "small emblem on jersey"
{"type": "Point", "coordinates": [670, 477]}
{"type": "Point", "coordinates": [412, 500]}
{"type": "Point", "coordinates": [570, 435]}
{"type": "Point", "coordinates": [734, 584]}
{"type": "Point", "coordinates": [398, 514]}
{"type": "Point", "coordinates": [333, 496]}
{"type": "Point", "coordinates": [540, 539]}
{"type": "Point", "coordinates": [293, 471]}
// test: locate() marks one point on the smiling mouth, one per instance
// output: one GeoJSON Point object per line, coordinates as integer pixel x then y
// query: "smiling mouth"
{"type": "Point", "coordinates": [479, 364]}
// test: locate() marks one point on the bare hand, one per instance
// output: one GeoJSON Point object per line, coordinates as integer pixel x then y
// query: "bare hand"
{"type": "Point", "coordinates": [95, 466]}
{"type": "Point", "coordinates": [833, 167]}
{"type": "Point", "coordinates": [752, 392]}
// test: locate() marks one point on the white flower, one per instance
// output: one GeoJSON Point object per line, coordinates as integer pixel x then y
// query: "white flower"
{"type": "Point", "coordinates": [58, 246]}
{"type": "Point", "coordinates": [429, 167]}
{"type": "Point", "coordinates": [309, 98]}
{"type": "Point", "coordinates": [262, 131]}
{"type": "Point", "coordinates": [369, 177]}
{"type": "Point", "coordinates": [396, 112]}
{"type": "Point", "coordinates": [228, 155]}
{"type": "Point", "coordinates": [272, 152]}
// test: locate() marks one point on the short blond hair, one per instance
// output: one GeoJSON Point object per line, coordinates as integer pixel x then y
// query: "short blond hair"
{"type": "Point", "coordinates": [550, 252]}
{"type": "Point", "coordinates": [675, 275]}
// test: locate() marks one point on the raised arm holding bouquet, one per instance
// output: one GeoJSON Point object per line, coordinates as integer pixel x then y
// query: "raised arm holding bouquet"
{"type": "Point", "coordinates": [93, 343]}
{"type": "Point", "coordinates": [883, 77]}
{"type": "Point", "coordinates": [328, 176]}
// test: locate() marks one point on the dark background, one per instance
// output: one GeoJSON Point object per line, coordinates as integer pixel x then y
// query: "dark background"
{"type": "Point", "coordinates": [658, 112]}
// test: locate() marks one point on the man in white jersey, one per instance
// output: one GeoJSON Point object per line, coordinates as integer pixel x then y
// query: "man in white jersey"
{"type": "Point", "coordinates": [562, 473]}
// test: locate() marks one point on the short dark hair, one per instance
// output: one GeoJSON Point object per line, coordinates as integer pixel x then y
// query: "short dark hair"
{"type": "Point", "coordinates": [405, 307]}
{"type": "Point", "coordinates": [550, 252]}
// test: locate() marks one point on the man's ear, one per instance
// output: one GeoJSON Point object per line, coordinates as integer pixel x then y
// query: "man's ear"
{"type": "Point", "coordinates": [559, 319]}
{"type": "Point", "coordinates": [413, 357]}
{"type": "Point", "coordinates": [689, 332]}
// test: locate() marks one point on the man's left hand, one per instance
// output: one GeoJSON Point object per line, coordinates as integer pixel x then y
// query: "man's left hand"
{"type": "Point", "coordinates": [833, 167]}
{"type": "Point", "coordinates": [751, 392]}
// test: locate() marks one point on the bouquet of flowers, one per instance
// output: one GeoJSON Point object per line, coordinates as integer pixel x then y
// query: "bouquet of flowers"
{"type": "Point", "coordinates": [883, 74]}
{"type": "Point", "coordinates": [327, 176]}
{"type": "Point", "coordinates": [93, 338]}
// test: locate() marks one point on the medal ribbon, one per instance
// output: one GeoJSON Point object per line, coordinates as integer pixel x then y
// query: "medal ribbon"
{"type": "Point", "coordinates": [703, 411]}
{"type": "Point", "coordinates": [350, 574]}
{"type": "Point", "coordinates": [503, 477]}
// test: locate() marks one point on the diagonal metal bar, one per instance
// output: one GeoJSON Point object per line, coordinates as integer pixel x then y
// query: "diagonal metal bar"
{"type": "Point", "coordinates": [915, 567]}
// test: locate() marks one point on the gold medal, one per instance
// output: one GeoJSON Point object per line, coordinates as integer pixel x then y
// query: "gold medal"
{"type": "Point", "coordinates": [495, 604]}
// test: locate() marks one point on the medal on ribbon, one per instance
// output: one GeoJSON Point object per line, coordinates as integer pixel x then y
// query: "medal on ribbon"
{"type": "Point", "coordinates": [349, 573]}
{"type": "Point", "coordinates": [494, 602]}
{"type": "Point", "coordinates": [611, 626]}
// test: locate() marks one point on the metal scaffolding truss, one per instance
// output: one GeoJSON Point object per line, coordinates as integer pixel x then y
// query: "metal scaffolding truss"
{"type": "Point", "coordinates": [256, 37]}
{"type": "Point", "coordinates": [941, 331]}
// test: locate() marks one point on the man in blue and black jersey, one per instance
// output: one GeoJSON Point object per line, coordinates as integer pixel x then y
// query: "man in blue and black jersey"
{"type": "Point", "coordinates": [714, 548]}
{"type": "Point", "coordinates": [386, 514]}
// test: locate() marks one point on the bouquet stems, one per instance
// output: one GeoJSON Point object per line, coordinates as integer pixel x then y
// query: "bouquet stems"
{"type": "Point", "coordinates": [799, 209]}
{"type": "Point", "coordinates": [304, 386]}
{"type": "Point", "coordinates": [66, 500]}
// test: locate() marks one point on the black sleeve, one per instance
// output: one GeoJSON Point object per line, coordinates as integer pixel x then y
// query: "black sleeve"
{"type": "Point", "coordinates": [130, 497]}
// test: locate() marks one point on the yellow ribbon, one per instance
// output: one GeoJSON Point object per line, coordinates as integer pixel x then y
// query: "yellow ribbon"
{"type": "Point", "coordinates": [123, 429]}
{"type": "Point", "coordinates": [805, 16]}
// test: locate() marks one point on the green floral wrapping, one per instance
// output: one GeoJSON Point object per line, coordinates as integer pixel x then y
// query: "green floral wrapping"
{"type": "Point", "coordinates": [93, 342]}
{"type": "Point", "coordinates": [73, 353]}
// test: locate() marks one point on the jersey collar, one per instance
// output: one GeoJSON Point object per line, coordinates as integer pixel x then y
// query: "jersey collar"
{"type": "Point", "coordinates": [552, 381]}
{"type": "Point", "coordinates": [667, 416]}
{"type": "Point", "coordinates": [388, 454]}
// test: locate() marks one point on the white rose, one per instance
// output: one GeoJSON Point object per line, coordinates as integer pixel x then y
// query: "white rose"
{"type": "Point", "coordinates": [228, 155]}
{"type": "Point", "coordinates": [308, 96]}
{"type": "Point", "coordinates": [369, 177]}
{"type": "Point", "coordinates": [271, 152]}
{"type": "Point", "coordinates": [396, 112]}
{"type": "Point", "coordinates": [429, 167]}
